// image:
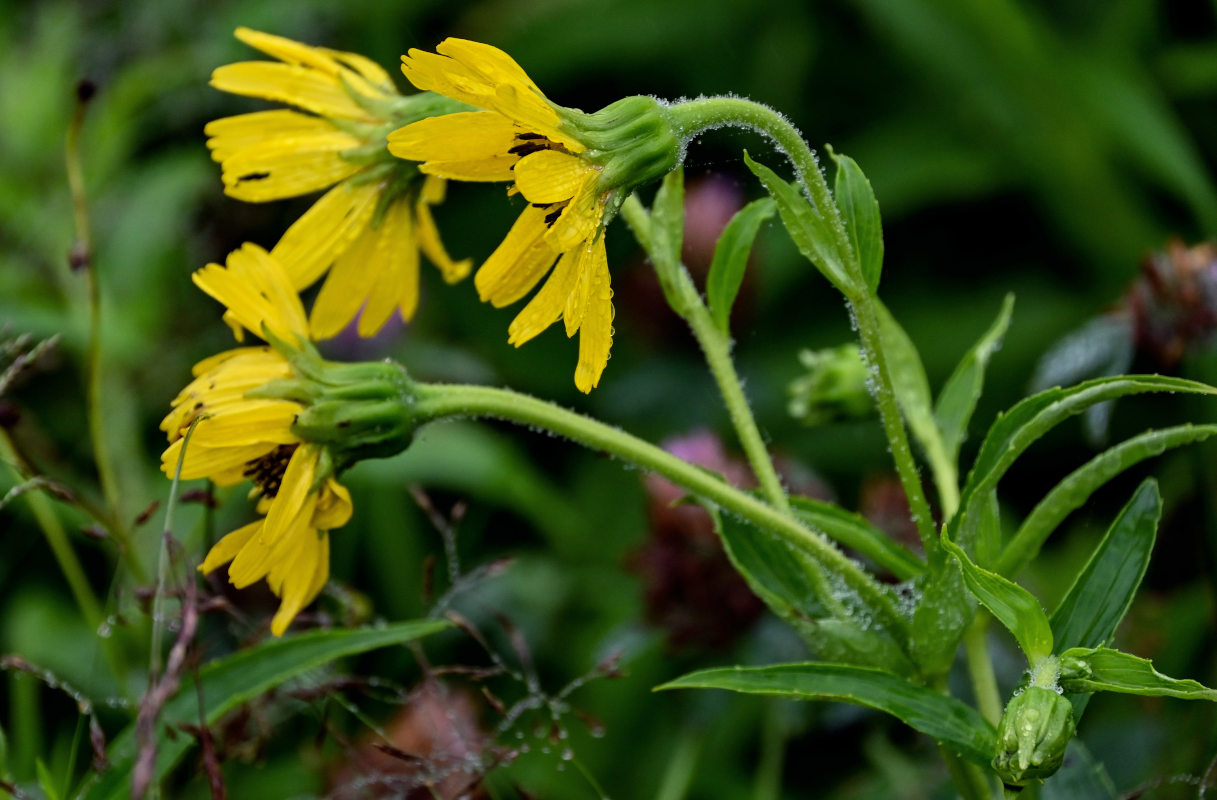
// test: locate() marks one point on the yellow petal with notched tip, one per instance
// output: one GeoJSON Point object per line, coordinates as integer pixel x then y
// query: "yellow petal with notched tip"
{"type": "Point", "coordinates": [429, 241]}
{"type": "Point", "coordinates": [489, 62]}
{"type": "Point", "coordinates": [551, 176]}
{"type": "Point", "coordinates": [581, 290]}
{"type": "Point", "coordinates": [463, 136]}
{"type": "Point", "coordinates": [303, 576]}
{"type": "Point", "coordinates": [227, 548]}
{"type": "Point", "coordinates": [596, 330]}
{"type": "Point", "coordinates": [333, 506]}
{"type": "Point", "coordinates": [256, 290]}
{"type": "Point", "coordinates": [547, 306]}
{"type": "Point", "coordinates": [293, 84]}
{"type": "Point", "coordinates": [516, 265]}
{"type": "Point", "coordinates": [336, 220]}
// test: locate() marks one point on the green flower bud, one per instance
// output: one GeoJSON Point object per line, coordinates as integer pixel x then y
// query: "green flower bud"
{"type": "Point", "coordinates": [633, 140]}
{"type": "Point", "coordinates": [833, 388]}
{"type": "Point", "coordinates": [1031, 738]}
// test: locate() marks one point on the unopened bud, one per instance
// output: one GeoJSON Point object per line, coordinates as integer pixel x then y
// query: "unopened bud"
{"type": "Point", "coordinates": [1034, 731]}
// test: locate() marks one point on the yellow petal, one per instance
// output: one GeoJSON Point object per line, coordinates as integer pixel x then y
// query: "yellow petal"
{"type": "Point", "coordinates": [393, 261]}
{"type": "Point", "coordinates": [547, 306]}
{"type": "Point", "coordinates": [227, 548]}
{"type": "Point", "coordinates": [257, 292]}
{"type": "Point", "coordinates": [249, 422]}
{"type": "Point", "coordinates": [212, 462]}
{"type": "Point", "coordinates": [293, 84]}
{"type": "Point", "coordinates": [519, 261]}
{"type": "Point", "coordinates": [333, 506]}
{"type": "Point", "coordinates": [230, 135]}
{"type": "Point", "coordinates": [551, 176]}
{"type": "Point", "coordinates": [306, 573]}
{"type": "Point", "coordinates": [579, 220]}
{"type": "Point", "coordinates": [596, 332]}
{"type": "Point", "coordinates": [581, 290]}
{"type": "Point", "coordinates": [463, 136]}
{"type": "Point", "coordinates": [429, 241]}
{"type": "Point", "coordinates": [348, 285]}
{"type": "Point", "coordinates": [498, 168]}
{"type": "Point", "coordinates": [295, 498]}
{"type": "Point", "coordinates": [312, 243]}
{"type": "Point", "coordinates": [489, 62]}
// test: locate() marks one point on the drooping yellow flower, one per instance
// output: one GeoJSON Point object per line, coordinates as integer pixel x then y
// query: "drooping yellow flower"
{"type": "Point", "coordinates": [368, 229]}
{"type": "Point", "coordinates": [241, 436]}
{"type": "Point", "coordinates": [573, 168]}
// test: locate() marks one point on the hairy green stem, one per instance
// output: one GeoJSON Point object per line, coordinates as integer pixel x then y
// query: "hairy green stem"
{"type": "Point", "coordinates": [692, 118]}
{"type": "Point", "coordinates": [437, 401]}
{"type": "Point", "coordinates": [716, 347]}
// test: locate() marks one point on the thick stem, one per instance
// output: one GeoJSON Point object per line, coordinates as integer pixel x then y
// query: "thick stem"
{"type": "Point", "coordinates": [698, 115]}
{"type": "Point", "coordinates": [980, 669]}
{"type": "Point", "coordinates": [436, 401]}
{"type": "Point", "coordinates": [716, 347]}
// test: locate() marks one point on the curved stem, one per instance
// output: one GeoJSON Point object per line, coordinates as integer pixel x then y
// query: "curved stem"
{"type": "Point", "coordinates": [692, 118]}
{"type": "Point", "coordinates": [717, 349]}
{"type": "Point", "coordinates": [980, 669]}
{"type": "Point", "coordinates": [437, 401]}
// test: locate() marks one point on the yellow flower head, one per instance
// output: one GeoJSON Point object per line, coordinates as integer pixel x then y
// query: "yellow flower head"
{"type": "Point", "coordinates": [240, 436]}
{"type": "Point", "coordinates": [572, 168]}
{"type": "Point", "coordinates": [368, 229]}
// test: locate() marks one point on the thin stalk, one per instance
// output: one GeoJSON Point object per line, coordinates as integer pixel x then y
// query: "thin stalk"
{"type": "Point", "coordinates": [162, 566]}
{"type": "Point", "coordinates": [969, 780]}
{"type": "Point", "coordinates": [682, 765]}
{"type": "Point", "coordinates": [57, 539]}
{"type": "Point", "coordinates": [692, 118]}
{"type": "Point", "coordinates": [716, 347]}
{"type": "Point", "coordinates": [437, 401]}
{"type": "Point", "coordinates": [980, 669]}
{"type": "Point", "coordinates": [768, 784]}
{"type": "Point", "coordinates": [81, 258]}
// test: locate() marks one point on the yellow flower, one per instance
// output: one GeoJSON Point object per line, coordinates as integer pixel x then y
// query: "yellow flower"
{"type": "Point", "coordinates": [368, 229]}
{"type": "Point", "coordinates": [242, 436]}
{"type": "Point", "coordinates": [573, 168]}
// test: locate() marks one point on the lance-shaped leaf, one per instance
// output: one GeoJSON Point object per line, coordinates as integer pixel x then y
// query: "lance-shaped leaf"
{"type": "Point", "coordinates": [856, 199]}
{"type": "Point", "coordinates": [1009, 603]}
{"type": "Point", "coordinates": [955, 725]}
{"type": "Point", "coordinates": [226, 683]}
{"type": "Point", "coordinates": [1073, 492]}
{"type": "Point", "coordinates": [958, 397]}
{"type": "Point", "coordinates": [1102, 593]}
{"type": "Point", "coordinates": [1015, 430]}
{"type": "Point", "coordinates": [1102, 669]}
{"type": "Point", "coordinates": [912, 390]}
{"type": "Point", "coordinates": [811, 231]}
{"type": "Point", "coordinates": [854, 531]}
{"type": "Point", "coordinates": [667, 235]}
{"type": "Point", "coordinates": [837, 624]}
{"type": "Point", "coordinates": [731, 259]}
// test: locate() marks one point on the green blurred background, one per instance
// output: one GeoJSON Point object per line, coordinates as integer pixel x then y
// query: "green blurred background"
{"type": "Point", "coordinates": [1041, 148]}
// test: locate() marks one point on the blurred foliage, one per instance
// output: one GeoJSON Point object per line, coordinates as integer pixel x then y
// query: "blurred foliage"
{"type": "Point", "coordinates": [1045, 148]}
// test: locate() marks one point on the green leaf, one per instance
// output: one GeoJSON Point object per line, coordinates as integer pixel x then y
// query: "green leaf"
{"type": "Point", "coordinates": [1102, 593]}
{"type": "Point", "coordinates": [1073, 492]}
{"type": "Point", "coordinates": [856, 199]}
{"type": "Point", "coordinates": [955, 725]}
{"type": "Point", "coordinates": [854, 531]}
{"type": "Point", "coordinates": [667, 234]}
{"type": "Point", "coordinates": [1009, 603]}
{"type": "Point", "coordinates": [1102, 669]}
{"type": "Point", "coordinates": [835, 622]}
{"type": "Point", "coordinates": [731, 259]}
{"type": "Point", "coordinates": [958, 397]}
{"type": "Point", "coordinates": [1081, 778]}
{"type": "Point", "coordinates": [811, 231]}
{"type": "Point", "coordinates": [912, 390]}
{"type": "Point", "coordinates": [1014, 431]}
{"type": "Point", "coordinates": [228, 682]}
{"type": "Point", "coordinates": [45, 781]}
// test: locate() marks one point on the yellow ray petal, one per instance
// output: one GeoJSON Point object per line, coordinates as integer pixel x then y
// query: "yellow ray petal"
{"type": "Point", "coordinates": [293, 84]}
{"type": "Point", "coordinates": [596, 331]}
{"type": "Point", "coordinates": [551, 176]}
{"type": "Point", "coordinates": [211, 462]}
{"type": "Point", "coordinates": [295, 498]}
{"type": "Point", "coordinates": [519, 261]}
{"type": "Point", "coordinates": [249, 423]}
{"type": "Point", "coordinates": [347, 286]}
{"type": "Point", "coordinates": [393, 261]}
{"type": "Point", "coordinates": [229, 135]}
{"type": "Point", "coordinates": [579, 220]}
{"type": "Point", "coordinates": [227, 548]}
{"type": "Point", "coordinates": [296, 585]}
{"type": "Point", "coordinates": [333, 506]}
{"type": "Point", "coordinates": [489, 62]}
{"type": "Point", "coordinates": [547, 306]}
{"type": "Point", "coordinates": [464, 136]}
{"type": "Point", "coordinates": [581, 288]}
{"type": "Point", "coordinates": [429, 241]}
{"type": "Point", "coordinates": [493, 169]}
{"type": "Point", "coordinates": [312, 243]}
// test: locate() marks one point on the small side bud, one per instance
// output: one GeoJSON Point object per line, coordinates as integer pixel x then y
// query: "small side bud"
{"type": "Point", "coordinates": [834, 387]}
{"type": "Point", "coordinates": [1032, 736]}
